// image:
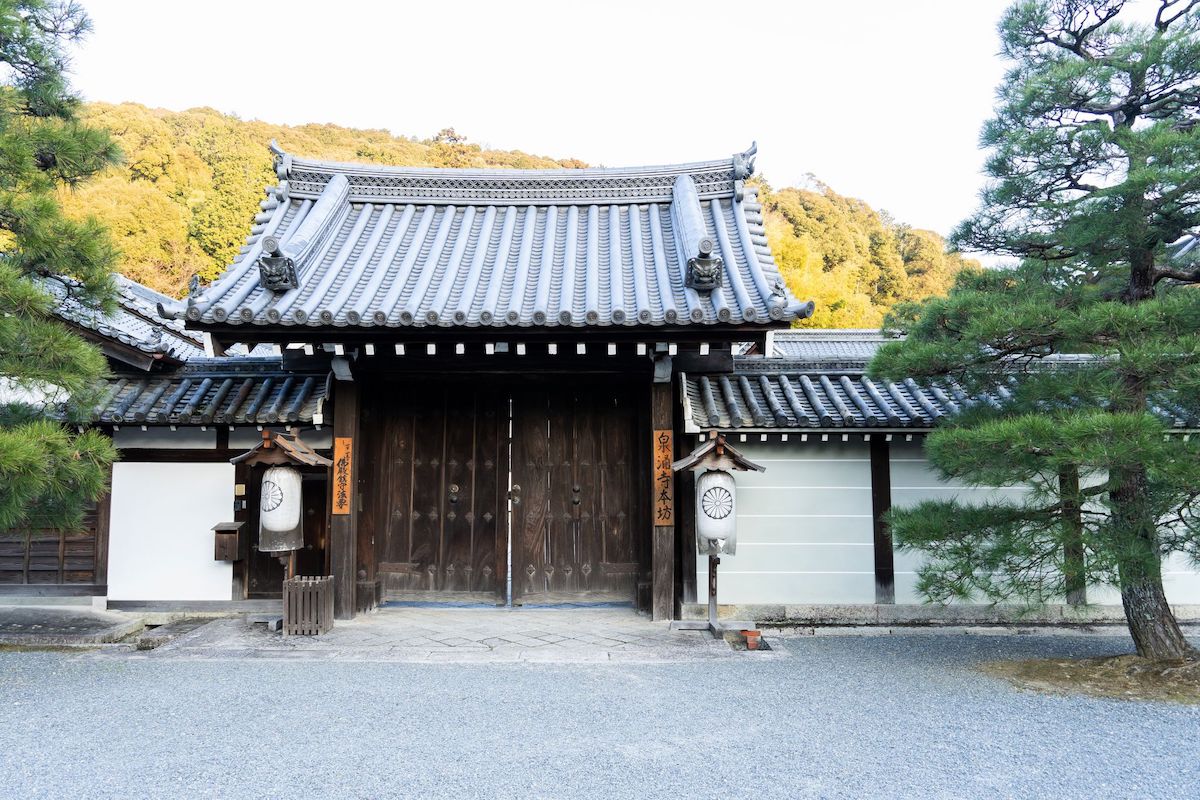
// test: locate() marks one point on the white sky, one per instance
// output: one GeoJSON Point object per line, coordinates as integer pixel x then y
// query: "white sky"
{"type": "Point", "coordinates": [881, 99]}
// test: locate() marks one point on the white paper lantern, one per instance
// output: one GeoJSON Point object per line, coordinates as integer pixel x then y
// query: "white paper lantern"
{"type": "Point", "coordinates": [280, 503]}
{"type": "Point", "coordinates": [716, 513]}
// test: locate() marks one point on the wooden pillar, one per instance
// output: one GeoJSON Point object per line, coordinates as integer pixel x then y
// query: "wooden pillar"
{"type": "Point", "coordinates": [103, 517]}
{"type": "Point", "coordinates": [881, 503]}
{"type": "Point", "coordinates": [343, 517]}
{"type": "Point", "coordinates": [662, 505]}
{"type": "Point", "coordinates": [685, 509]}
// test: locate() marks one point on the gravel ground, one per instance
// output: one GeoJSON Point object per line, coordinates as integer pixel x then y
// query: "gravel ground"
{"type": "Point", "coordinates": [853, 717]}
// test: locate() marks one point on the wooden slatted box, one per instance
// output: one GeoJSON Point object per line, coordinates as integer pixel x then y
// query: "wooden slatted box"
{"type": "Point", "coordinates": [307, 606]}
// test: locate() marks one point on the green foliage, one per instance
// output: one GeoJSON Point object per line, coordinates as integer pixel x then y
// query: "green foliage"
{"type": "Point", "coordinates": [182, 200]}
{"type": "Point", "coordinates": [47, 374]}
{"type": "Point", "coordinates": [851, 260]}
{"type": "Point", "coordinates": [1092, 340]}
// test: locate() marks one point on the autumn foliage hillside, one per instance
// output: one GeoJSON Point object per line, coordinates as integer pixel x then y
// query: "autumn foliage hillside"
{"type": "Point", "coordinates": [182, 201]}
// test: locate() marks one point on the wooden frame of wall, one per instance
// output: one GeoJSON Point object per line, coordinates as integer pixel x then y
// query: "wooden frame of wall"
{"type": "Point", "coordinates": [58, 563]}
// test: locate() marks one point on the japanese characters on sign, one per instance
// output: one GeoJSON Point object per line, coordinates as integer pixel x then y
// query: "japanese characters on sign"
{"type": "Point", "coordinates": [664, 478]}
{"type": "Point", "coordinates": [341, 475]}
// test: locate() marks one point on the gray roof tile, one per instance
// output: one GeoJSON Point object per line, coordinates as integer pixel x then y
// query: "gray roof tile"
{"type": "Point", "coordinates": [134, 322]}
{"type": "Point", "coordinates": [410, 247]}
{"type": "Point", "coordinates": [829, 345]}
{"type": "Point", "coordinates": [240, 390]}
{"type": "Point", "coordinates": [796, 393]}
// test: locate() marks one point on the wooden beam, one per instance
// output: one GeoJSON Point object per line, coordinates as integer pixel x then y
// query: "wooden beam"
{"type": "Point", "coordinates": [343, 528]}
{"type": "Point", "coordinates": [663, 539]}
{"type": "Point", "coordinates": [52, 590]}
{"type": "Point", "coordinates": [881, 503]}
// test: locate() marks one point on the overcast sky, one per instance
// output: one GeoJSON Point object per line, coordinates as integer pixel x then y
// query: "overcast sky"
{"type": "Point", "coordinates": [880, 99]}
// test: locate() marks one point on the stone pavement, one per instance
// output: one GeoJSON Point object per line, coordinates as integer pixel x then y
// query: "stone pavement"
{"type": "Point", "coordinates": [457, 635]}
{"type": "Point", "coordinates": [63, 626]}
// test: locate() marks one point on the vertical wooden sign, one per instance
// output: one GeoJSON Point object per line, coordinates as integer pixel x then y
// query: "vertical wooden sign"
{"type": "Point", "coordinates": [342, 479]}
{"type": "Point", "coordinates": [664, 478]}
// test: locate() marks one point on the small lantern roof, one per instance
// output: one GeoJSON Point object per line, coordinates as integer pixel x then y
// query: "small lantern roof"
{"type": "Point", "coordinates": [716, 453]}
{"type": "Point", "coordinates": [279, 447]}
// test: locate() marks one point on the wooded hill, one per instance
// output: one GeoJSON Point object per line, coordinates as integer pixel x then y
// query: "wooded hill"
{"type": "Point", "coordinates": [182, 201]}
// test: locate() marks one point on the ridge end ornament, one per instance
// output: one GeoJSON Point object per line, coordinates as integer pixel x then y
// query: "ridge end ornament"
{"type": "Point", "coordinates": [276, 271]}
{"type": "Point", "coordinates": [743, 163]}
{"type": "Point", "coordinates": [704, 269]}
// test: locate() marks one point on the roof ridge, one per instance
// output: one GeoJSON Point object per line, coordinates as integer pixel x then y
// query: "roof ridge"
{"type": "Point", "coordinates": [287, 162]}
{"type": "Point", "coordinates": [836, 334]}
{"type": "Point", "coordinates": [306, 177]}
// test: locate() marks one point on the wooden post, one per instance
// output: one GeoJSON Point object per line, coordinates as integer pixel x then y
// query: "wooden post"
{"type": "Point", "coordinates": [662, 506]}
{"type": "Point", "coordinates": [241, 567]}
{"type": "Point", "coordinates": [343, 509]}
{"type": "Point", "coordinates": [685, 507]}
{"type": "Point", "coordinates": [103, 514]}
{"type": "Point", "coordinates": [881, 503]}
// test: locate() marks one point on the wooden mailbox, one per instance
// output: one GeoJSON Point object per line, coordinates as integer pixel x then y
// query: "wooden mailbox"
{"type": "Point", "coordinates": [225, 535]}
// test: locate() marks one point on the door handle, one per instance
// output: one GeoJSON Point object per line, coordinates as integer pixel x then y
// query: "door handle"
{"type": "Point", "coordinates": [514, 494]}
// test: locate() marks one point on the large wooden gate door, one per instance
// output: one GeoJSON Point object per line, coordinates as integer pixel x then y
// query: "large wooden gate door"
{"type": "Point", "coordinates": [437, 455]}
{"type": "Point", "coordinates": [575, 515]}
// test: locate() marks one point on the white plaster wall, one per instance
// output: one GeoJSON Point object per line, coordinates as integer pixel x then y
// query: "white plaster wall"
{"type": "Point", "coordinates": [914, 480]}
{"type": "Point", "coordinates": [160, 536]}
{"type": "Point", "coordinates": [804, 527]}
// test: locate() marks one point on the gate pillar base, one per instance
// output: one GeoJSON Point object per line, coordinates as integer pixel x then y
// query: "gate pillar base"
{"type": "Point", "coordinates": [367, 596]}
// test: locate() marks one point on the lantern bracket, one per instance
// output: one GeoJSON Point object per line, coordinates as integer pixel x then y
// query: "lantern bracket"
{"type": "Point", "coordinates": [715, 454]}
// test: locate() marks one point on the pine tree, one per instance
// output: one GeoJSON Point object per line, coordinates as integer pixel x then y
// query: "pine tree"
{"type": "Point", "coordinates": [48, 376]}
{"type": "Point", "coordinates": [1091, 347]}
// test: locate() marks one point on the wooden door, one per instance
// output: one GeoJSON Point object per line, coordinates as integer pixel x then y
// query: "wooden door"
{"type": "Point", "coordinates": [435, 462]}
{"type": "Point", "coordinates": [575, 516]}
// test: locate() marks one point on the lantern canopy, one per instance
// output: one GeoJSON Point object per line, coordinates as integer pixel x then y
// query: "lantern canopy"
{"type": "Point", "coordinates": [716, 493]}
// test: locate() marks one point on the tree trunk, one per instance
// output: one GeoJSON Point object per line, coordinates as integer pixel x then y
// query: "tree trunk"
{"type": "Point", "coordinates": [1155, 632]}
{"type": "Point", "coordinates": [1152, 624]}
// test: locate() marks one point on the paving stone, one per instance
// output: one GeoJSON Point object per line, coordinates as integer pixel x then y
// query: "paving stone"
{"type": "Point", "coordinates": [444, 635]}
{"type": "Point", "coordinates": [64, 626]}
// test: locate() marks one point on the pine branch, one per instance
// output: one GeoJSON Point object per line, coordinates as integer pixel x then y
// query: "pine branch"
{"type": "Point", "coordinates": [1162, 22]}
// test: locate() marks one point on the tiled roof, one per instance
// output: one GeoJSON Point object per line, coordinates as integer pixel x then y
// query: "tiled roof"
{"type": "Point", "coordinates": [410, 247]}
{"type": "Point", "coordinates": [829, 345]}
{"type": "Point", "coordinates": [767, 393]}
{"type": "Point", "coordinates": [135, 321]}
{"type": "Point", "coordinates": [778, 393]}
{"type": "Point", "coordinates": [238, 390]}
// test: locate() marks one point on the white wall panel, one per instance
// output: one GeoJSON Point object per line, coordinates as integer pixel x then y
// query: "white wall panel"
{"type": "Point", "coordinates": [161, 542]}
{"type": "Point", "coordinates": [804, 527]}
{"type": "Point", "coordinates": [914, 480]}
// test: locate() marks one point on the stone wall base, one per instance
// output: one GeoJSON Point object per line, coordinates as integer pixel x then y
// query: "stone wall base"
{"type": "Point", "coordinates": [925, 615]}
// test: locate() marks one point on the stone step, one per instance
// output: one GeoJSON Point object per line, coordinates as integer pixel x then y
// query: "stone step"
{"type": "Point", "coordinates": [160, 635]}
